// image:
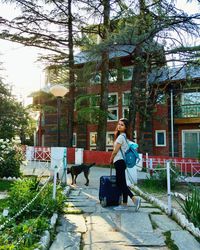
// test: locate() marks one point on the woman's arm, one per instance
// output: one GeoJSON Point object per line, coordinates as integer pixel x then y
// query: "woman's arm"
{"type": "Point", "coordinates": [114, 152]}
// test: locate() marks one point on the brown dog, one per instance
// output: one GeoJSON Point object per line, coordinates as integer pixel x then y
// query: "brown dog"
{"type": "Point", "coordinates": [77, 169]}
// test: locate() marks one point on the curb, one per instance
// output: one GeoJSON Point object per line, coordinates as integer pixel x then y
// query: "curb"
{"type": "Point", "coordinates": [177, 216]}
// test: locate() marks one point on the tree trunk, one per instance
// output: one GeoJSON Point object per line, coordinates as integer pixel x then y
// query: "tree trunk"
{"type": "Point", "coordinates": [102, 123]}
{"type": "Point", "coordinates": [71, 95]}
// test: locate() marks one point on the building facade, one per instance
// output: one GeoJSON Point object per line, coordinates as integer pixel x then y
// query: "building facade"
{"type": "Point", "coordinates": [174, 127]}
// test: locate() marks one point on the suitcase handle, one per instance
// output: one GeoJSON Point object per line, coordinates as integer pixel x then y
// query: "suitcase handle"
{"type": "Point", "coordinates": [110, 169]}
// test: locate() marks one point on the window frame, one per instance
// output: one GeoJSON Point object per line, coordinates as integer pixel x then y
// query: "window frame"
{"type": "Point", "coordinates": [156, 138]}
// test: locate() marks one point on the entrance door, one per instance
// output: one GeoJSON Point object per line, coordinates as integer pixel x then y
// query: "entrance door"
{"type": "Point", "coordinates": [191, 143]}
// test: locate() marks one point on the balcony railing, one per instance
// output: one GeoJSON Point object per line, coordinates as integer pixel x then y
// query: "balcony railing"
{"type": "Point", "coordinates": [187, 111]}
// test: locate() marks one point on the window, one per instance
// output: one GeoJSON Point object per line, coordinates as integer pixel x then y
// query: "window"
{"type": "Point", "coordinates": [112, 107]}
{"type": "Point", "coordinates": [126, 98]}
{"type": "Point", "coordinates": [127, 73]}
{"type": "Point", "coordinates": [161, 99]}
{"type": "Point", "coordinates": [96, 78]}
{"type": "Point", "coordinates": [112, 99]}
{"type": "Point", "coordinates": [160, 138]}
{"type": "Point", "coordinates": [93, 138]}
{"type": "Point", "coordinates": [112, 114]}
{"type": "Point", "coordinates": [109, 138]}
{"type": "Point", "coordinates": [74, 142]}
{"type": "Point", "coordinates": [191, 98]}
{"type": "Point", "coordinates": [113, 75]}
{"type": "Point", "coordinates": [125, 112]}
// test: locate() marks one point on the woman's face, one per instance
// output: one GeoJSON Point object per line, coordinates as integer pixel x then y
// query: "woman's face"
{"type": "Point", "coordinates": [121, 127]}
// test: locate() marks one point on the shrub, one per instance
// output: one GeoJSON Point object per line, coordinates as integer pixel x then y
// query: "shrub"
{"type": "Point", "coordinates": [191, 207]}
{"type": "Point", "coordinates": [11, 157]}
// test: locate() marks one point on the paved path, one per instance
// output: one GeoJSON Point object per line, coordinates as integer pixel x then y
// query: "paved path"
{"type": "Point", "coordinates": [88, 226]}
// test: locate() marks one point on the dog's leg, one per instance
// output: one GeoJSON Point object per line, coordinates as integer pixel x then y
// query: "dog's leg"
{"type": "Point", "coordinates": [86, 174]}
{"type": "Point", "coordinates": [75, 179]}
{"type": "Point", "coordinates": [72, 179]}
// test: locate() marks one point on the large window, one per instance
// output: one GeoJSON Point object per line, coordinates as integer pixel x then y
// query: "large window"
{"type": "Point", "coordinates": [160, 138]}
{"type": "Point", "coordinates": [96, 78]}
{"type": "Point", "coordinates": [109, 138]}
{"type": "Point", "coordinates": [113, 75]}
{"type": "Point", "coordinates": [191, 98]}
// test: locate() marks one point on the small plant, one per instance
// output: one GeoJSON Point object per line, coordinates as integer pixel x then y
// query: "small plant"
{"type": "Point", "coordinates": [191, 207]}
{"type": "Point", "coordinates": [11, 157]}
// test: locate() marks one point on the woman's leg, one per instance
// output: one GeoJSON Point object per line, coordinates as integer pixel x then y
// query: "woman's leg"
{"type": "Point", "coordinates": [121, 180]}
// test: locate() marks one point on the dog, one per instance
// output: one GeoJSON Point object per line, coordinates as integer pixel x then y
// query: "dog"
{"type": "Point", "coordinates": [77, 169]}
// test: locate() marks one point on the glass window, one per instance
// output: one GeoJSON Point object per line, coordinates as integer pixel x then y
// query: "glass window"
{"type": "Point", "coordinates": [126, 113]}
{"type": "Point", "coordinates": [191, 98]}
{"type": "Point", "coordinates": [96, 78]}
{"type": "Point", "coordinates": [112, 99]}
{"type": "Point", "coordinates": [113, 75]}
{"type": "Point", "coordinates": [161, 99]}
{"type": "Point", "coordinates": [126, 98]}
{"type": "Point", "coordinates": [93, 138]}
{"type": "Point", "coordinates": [112, 114]}
{"type": "Point", "coordinates": [109, 138]}
{"type": "Point", "coordinates": [127, 73]}
{"type": "Point", "coordinates": [160, 138]}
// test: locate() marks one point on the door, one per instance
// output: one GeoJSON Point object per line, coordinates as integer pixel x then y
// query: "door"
{"type": "Point", "coordinates": [191, 143]}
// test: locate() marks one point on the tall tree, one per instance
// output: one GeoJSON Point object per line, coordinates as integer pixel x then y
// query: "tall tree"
{"type": "Point", "coordinates": [49, 25]}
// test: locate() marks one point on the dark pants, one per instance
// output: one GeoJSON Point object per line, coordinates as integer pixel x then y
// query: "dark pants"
{"type": "Point", "coordinates": [120, 168]}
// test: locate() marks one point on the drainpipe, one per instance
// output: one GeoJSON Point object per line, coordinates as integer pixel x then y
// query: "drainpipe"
{"type": "Point", "coordinates": [172, 121]}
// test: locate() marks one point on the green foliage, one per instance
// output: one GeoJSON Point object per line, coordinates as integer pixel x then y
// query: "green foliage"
{"type": "Point", "coordinates": [11, 157]}
{"type": "Point", "coordinates": [5, 185]}
{"type": "Point", "coordinates": [25, 235]}
{"type": "Point", "coordinates": [22, 192]}
{"type": "Point", "coordinates": [158, 181]}
{"type": "Point", "coordinates": [13, 116]}
{"type": "Point", "coordinates": [191, 207]}
{"type": "Point", "coordinates": [162, 176]}
{"type": "Point", "coordinates": [24, 231]}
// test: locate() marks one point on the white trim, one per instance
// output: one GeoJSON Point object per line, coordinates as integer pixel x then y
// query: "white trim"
{"type": "Point", "coordinates": [156, 138]}
{"type": "Point", "coordinates": [125, 92]}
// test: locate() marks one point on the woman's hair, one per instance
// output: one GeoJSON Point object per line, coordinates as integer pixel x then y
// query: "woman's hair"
{"type": "Point", "coordinates": [127, 126]}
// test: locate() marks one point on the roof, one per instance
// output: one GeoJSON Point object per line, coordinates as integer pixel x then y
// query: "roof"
{"type": "Point", "coordinates": [174, 74]}
{"type": "Point", "coordinates": [114, 52]}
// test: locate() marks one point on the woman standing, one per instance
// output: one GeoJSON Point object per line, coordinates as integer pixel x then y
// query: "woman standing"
{"type": "Point", "coordinates": [121, 133]}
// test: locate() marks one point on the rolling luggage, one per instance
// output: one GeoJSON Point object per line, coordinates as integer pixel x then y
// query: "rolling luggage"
{"type": "Point", "coordinates": [109, 193]}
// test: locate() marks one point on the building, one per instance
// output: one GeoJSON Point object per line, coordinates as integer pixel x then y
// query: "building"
{"type": "Point", "coordinates": [174, 128]}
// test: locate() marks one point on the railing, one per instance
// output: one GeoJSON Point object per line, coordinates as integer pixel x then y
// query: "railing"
{"type": "Point", "coordinates": [187, 111]}
{"type": "Point", "coordinates": [187, 166]}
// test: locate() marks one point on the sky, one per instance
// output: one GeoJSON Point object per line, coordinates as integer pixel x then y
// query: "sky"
{"type": "Point", "coordinates": [22, 72]}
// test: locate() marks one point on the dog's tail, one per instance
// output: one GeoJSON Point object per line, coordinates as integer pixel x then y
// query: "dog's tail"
{"type": "Point", "coordinates": [91, 165]}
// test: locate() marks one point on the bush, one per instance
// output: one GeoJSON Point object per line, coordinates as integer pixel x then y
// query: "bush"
{"type": "Point", "coordinates": [191, 207]}
{"type": "Point", "coordinates": [11, 157]}
{"type": "Point", "coordinates": [34, 220]}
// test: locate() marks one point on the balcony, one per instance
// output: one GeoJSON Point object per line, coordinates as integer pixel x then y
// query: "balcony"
{"type": "Point", "coordinates": [187, 114]}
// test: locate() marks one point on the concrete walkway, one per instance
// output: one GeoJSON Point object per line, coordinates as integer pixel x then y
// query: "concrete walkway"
{"type": "Point", "coordinates": [86, 225]}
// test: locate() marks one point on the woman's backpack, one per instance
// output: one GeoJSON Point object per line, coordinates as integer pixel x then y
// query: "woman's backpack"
{"type": "Point", "coordinates": [131, 156]}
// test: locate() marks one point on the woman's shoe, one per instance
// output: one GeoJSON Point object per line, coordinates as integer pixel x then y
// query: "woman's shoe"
{"type": "Point", "coordinates": [137, 203]}
{"type": "Point", "coordinates": [120, 207]}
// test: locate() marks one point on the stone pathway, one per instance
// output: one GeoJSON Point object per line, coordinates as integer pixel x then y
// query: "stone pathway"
{"type": "Point", "coordinates": [86, 225]}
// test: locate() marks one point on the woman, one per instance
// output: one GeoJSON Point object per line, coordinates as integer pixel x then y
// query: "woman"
{"type": "Point", "coordinates": [120, 144]}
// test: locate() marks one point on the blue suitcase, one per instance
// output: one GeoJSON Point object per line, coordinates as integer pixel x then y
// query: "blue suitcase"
{"type": "Point", "coordinates": [109, 193]}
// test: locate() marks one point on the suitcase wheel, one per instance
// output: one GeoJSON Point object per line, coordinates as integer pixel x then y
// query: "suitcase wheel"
{"type": "Point", "coordinates": [103, 202]}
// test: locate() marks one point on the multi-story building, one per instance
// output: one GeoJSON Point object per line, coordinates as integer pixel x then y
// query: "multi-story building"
{"type": "Point", "coordinates": [174, 128]}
